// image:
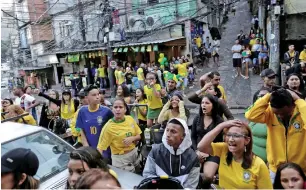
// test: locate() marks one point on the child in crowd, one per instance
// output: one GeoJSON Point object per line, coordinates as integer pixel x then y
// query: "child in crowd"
{"type": "Point", "coordinates": [152, 91]}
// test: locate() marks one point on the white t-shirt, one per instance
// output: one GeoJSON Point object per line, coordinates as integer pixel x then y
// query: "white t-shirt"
{"type": "Point", "coordinates": [24, 101]}
{"type": "Point", "coordinates": [236, 47]}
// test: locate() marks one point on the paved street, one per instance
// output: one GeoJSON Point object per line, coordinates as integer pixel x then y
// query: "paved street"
{"type": "Point", "coordinates": [239, 91]}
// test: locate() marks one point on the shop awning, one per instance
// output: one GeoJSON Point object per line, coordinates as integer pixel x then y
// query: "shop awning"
{"type": "Point", "coordinates": [149, 48]}
{"type": "Point", "coordinates": [155, 48]}
{"type": "Point", "coordinates": [119, 50]}
{"type": "Point", "coordinates": [125, 49]}
{"type": "Point", "coordinates": [143, 48]}
{"type": "Point", "coordinates": [136, 49]}
{"type": "Point", "coordinates": [115, 50]}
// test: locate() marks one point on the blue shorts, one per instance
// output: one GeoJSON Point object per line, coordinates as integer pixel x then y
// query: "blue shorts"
{"type": "Point", "coordinates": [262, 55]}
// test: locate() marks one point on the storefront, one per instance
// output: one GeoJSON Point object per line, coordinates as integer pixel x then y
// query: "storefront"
{"type": "Point", "coordinates": [148, 52]}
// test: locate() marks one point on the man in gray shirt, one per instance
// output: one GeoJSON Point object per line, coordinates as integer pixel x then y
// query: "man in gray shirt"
{"type": "Point", "coordinates": [236, 49]}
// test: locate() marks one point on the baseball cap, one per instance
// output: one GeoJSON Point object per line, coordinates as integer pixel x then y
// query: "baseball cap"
{"type": "Point", "coordinates": [268, 73]}
{"type": "Point", "coordinates": [66, 91]}
{"type": "Point", "coordinates": [19, 160]}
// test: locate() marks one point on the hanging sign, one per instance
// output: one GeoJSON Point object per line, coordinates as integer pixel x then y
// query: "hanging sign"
{"type": "Point", "coordinates": [113, 64]}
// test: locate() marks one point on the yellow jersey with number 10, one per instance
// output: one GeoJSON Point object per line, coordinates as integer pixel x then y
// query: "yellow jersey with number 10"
{"type": "Point", "coordinates": [114, 132]}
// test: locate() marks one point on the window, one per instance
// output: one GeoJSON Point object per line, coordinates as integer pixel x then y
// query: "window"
{"type": "Point", "coordinates": [152, 2]}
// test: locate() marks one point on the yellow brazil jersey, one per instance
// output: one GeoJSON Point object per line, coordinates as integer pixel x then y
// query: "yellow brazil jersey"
{"type": "Point", "coordinates": [67, 113]}
{"type": "Point", "coordinates": [140, 74]}
{"type": "Point", "coordinates": [153, 101]}
{"type": "Point", "coordinates": [29, 119]}
{"type": "Point", "coordinates": [235, 177]}
{"type": "Point", "coordinates": [120, 77]}
{"type": "Point", "coordinates": [182, 69]}
{"type": "Point", "coordinates": [303, 56]}
{"type": "Point", "coordinates": [283, 143]}
{"type": "Point", "coordinates": [223, 95]}
{"type": "Point", "coordinates": [113, 134]}
{"type": "Point", "coordinates": [101, 72]}
{"type": "Point", "coordinates": [143, 109]}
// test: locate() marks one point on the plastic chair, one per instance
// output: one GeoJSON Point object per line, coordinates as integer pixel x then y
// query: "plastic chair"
{"type": "Point", "coordinates": [162, 182]}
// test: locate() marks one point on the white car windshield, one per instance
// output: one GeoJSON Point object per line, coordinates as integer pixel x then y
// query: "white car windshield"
{"type": "Point", "coordinates": [52, 152]}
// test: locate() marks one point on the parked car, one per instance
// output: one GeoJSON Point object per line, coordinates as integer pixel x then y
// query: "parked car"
{"type": "Point", "coordinates": [53, 154]}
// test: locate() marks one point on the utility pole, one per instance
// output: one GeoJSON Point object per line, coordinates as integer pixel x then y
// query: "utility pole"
{"type": "Point", "coordinates": [81, 18]}
{"type": "Point", "coordinates": [274, 62]}
{"type": "Point", "coordinates": [111, 71]}
{"type": "Point", "coordinates": [262, 16]}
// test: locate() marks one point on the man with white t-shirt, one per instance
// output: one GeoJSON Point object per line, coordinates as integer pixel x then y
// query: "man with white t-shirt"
{"type": "Point", "coordinates": [236, 49]}
{"type": "Point", "coordinates": [23, 100]}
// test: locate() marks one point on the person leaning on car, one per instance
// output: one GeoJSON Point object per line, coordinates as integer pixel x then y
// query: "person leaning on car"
{"type": "Point", "coordinates": [175, 150]}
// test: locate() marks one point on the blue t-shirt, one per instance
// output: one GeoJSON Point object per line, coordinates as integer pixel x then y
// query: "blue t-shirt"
{"type": "Point", "coordinates": [92, 123]}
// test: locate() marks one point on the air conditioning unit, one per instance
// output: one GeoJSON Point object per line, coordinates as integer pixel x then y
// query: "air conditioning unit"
{"type": "Point", "coordinates": [137, 23]}
{"type": "Point", "coordinates": [153, 22]}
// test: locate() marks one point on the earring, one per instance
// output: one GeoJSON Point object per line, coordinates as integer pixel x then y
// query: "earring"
{"type": "Point", "coordinates": [245, 149]}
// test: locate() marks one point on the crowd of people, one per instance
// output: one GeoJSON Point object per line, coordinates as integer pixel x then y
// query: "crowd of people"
{"type": "Point", "coordinates": [218, 149]}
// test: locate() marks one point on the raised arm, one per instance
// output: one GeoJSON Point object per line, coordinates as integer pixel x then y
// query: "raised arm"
{"type": "Point", "coordinates": [260, 111]}
{"type": "Point", "coordinates": [57, 102]}
{"type": "Point", "coordinates": [205, 144]}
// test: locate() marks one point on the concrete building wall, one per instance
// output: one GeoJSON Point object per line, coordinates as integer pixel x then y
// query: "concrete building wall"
{"type": "Point", "coordinates": [295, 27]}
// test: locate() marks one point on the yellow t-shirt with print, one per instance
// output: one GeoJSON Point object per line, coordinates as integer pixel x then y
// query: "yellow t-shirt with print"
{"type": "Point", "coordinates": [182, 69]}
{"type": "Point", "coordinates": [153, 101]}
{"type": "Point", "coordinates": [140, 74]}
{"type": "Point", "coordinates": [303, 56]}
{"type": "Point", "coordinates": [101, 72]}
{"type": "Point", "coordinates": [113, 134]}
{"type": "Point", "coordinates": [120, 77]}
{"type": "Point", "coordinates": [235, 177]}
{"type": "Point", "coordinates": [223, 95]}
{"type": "Point", "coordinates": [143, 109]}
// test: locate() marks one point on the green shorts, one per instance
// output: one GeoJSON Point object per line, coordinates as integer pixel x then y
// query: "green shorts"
{"type": "Point", "coordinates": [153, 113]}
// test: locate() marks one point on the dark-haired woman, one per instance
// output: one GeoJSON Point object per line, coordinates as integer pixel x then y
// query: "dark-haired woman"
{"type": "Point", "coordinates": [67, 104]}
{"type": "Point", "coordinates": [296, 83]}
{"type": "Point", "coordinates": [206, 121]}
{"type": "Point", "coordinates": [98, 179]}
{"type": "Point", "coordinates": [50, 111]}
{"type": "Point", "coordinates": [208, 88]}
{"type": "Point", "coordinates": [239, 168]}
{"type": "Point", "coordinates": [123, 93]}
{"type": "Point", "coordinates": [121, 134]}
{"type": "Point", "coordinates": [289, 176]}
{"type": "Point", "coordinates": [174, 108]}
{"type": "Point", "coordinates": [81, 160]}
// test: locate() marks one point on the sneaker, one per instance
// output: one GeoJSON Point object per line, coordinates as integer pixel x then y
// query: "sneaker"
{"type": "Point", "coordinates": [236, 75]}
